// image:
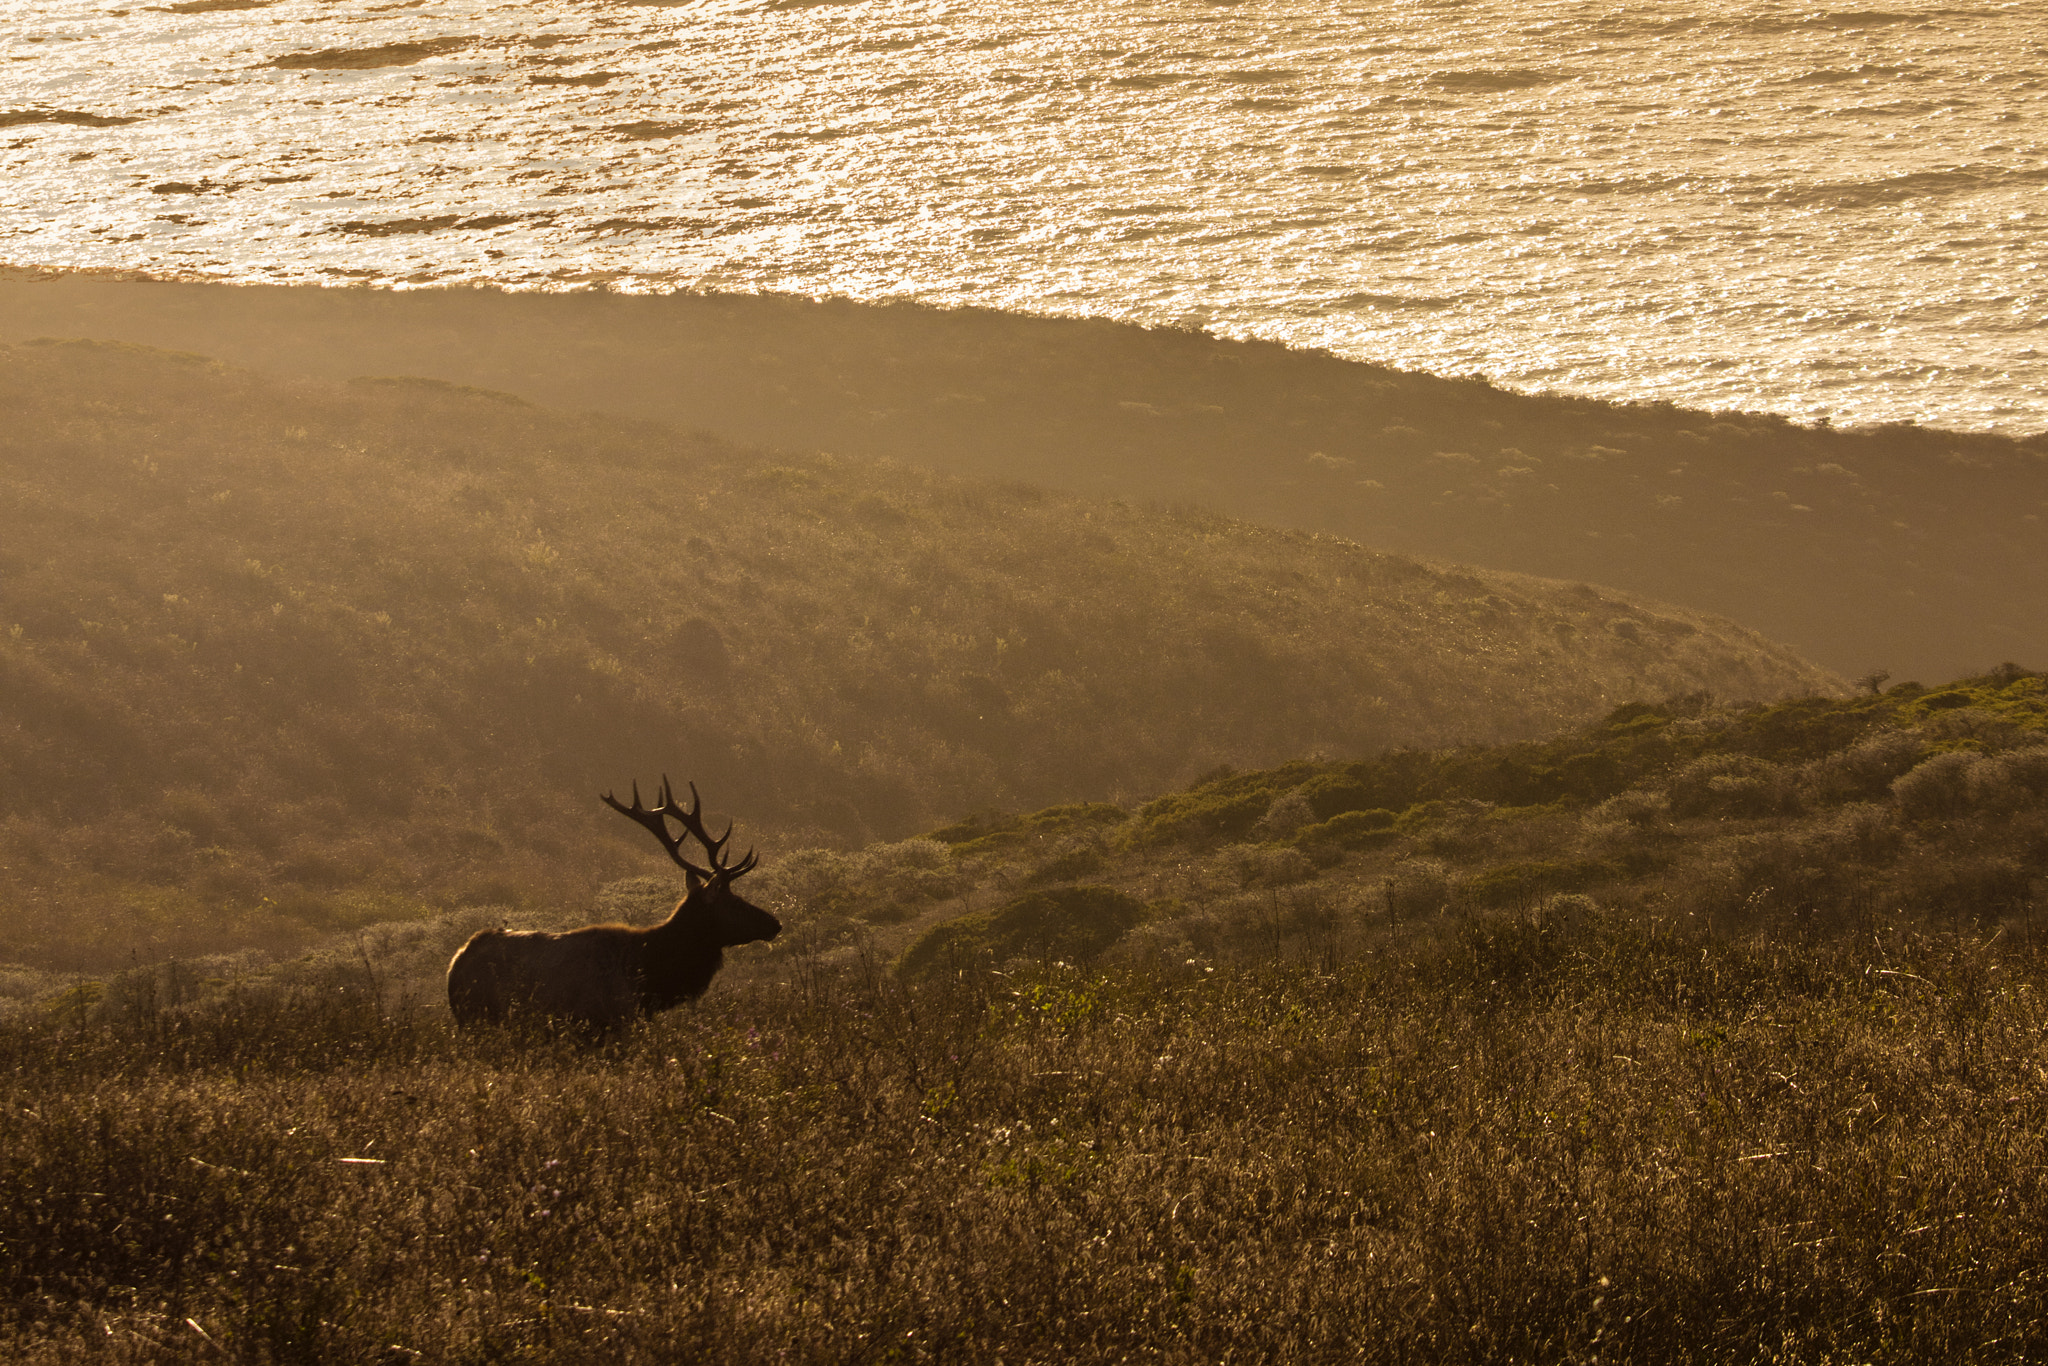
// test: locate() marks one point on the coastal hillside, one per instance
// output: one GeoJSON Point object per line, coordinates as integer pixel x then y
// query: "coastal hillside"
{"type": "Point", "coordinates": [1921, 810]}
{"type": "Point", "coordinates": [1907, 549]}
{"type": "Point", "coordinates": [283, 652]}
{"type": "Point", "coordinates": [1697, 1034]}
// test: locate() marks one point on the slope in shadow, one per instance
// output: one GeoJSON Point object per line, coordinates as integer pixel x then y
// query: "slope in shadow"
{"type": "Point", "coordinates": [1913, 549]}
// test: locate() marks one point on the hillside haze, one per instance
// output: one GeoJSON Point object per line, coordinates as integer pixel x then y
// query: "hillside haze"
{"type": "Point", "coordinates": [1904, 548]}
{"type": "Point", "coordinates": [325, 651]}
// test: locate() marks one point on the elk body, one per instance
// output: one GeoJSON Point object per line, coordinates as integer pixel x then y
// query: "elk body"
{"type": "Point", "coordinates": [602, 976]}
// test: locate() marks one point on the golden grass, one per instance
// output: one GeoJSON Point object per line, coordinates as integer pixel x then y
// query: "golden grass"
{"type": "Point", "coordinates": [1519, 1141]}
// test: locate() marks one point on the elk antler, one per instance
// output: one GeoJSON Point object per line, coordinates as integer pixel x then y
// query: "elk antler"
{"type": "Point", "coordinates": [692, 821]}
{"type": "Point", "coordinates": [656, 821]}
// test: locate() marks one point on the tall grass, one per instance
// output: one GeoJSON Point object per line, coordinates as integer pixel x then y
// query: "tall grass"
{"type": "Point", "coordinates": [1528, 1138]}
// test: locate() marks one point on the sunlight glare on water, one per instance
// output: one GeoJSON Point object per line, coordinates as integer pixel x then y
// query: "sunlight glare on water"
{"type": "Point", "coordinates": [1819, 211]}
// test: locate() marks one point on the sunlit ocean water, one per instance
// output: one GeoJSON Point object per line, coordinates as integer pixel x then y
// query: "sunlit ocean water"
{"type": "Point", "coordinates": [1819, 211]}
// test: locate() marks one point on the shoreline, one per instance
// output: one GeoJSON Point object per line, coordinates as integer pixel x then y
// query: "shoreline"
{"type": "Point", "coordinates": [602, 284]}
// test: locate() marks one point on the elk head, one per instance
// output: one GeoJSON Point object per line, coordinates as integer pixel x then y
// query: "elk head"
{"type": "Point", "coordinates": [711, 909]}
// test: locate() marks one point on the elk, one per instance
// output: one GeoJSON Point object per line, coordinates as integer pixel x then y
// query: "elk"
{"type": "Point", "coordinates": [601, 977]}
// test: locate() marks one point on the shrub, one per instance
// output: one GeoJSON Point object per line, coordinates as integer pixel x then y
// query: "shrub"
{"type": "Point", "coordinates": [1221, 809]}
{"type": "Point", "coordinates": [979, 826]}
{"type": "Point", "coordinates": [993, 832]}
{"type": "Point", "coordinates": [1260, 865]}
{"type": "Point", "coordinates": [1349, 830]}
{"type": "Point", "coordinates": [1637, 806]}
{"type": "Point", "coordinates": [1287, 815]}
{"type": "Point", "coordinates": [1979, 887]}
{"type": "Point", "coordinates": [1332, 794]}
{"type": "Point", "coordinates": [1073, 924]}
{"type": "Point", "coordinates": [1512, 883]}
{"type": "Point", "coordinates": [2027, 769]}
{"type": "Point", "coordinates": [881, 882]}
{"type": "Point", "coordinates": [1070, 866]}
{"type": "Point", "coordinates": [1863, 832]}
{"type": "Point", "coordinates": [1943, 785]}
{"type": "Point", "coordinates": [1864, 771]}
{"type": "Point", "coordinates": [1417, 887]}
{"type": "Point", "coordinates": [1728, 785]}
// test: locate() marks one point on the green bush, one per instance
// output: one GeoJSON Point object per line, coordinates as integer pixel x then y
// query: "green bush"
{"type": "Point", "coordinates": [1071, 924]}
{"type": "Point", "coordinates": [1728, 785]}
{"type": "Point", "coordinates": [1333, 794]}
{"type": "Point", "coordinates": [1349, 830]}
{"type": "Point", "coordinates": [1514, 883]}
{"type": "Point", "coordinates": [996, 833]}
{"type": "Point", "coordinates": [1221, 809]}
{"type": "Point", "coordinates": [1070, 866]}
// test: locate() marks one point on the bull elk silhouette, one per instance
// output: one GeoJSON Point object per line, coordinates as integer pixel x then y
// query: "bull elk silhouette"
{"type": "Point", "coordinates": [601, 977]}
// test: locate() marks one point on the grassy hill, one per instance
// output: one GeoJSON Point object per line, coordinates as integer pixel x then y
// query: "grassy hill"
{"type": "Point", "coordinates": [1700, 1034]}
{"type": "Point", "coordinates": [1803, 818]}
{"type": "Point", "coordinates": [1918, 551]}
{"type": "Point", "coordinates": [281, 655]}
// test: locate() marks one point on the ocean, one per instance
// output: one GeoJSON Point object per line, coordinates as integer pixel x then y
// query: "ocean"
{"type": "Point", "coordinates": [1828, 213]}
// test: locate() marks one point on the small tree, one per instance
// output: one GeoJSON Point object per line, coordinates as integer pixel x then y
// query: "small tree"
{"type": "Point", "coordinates": [1874, 680]}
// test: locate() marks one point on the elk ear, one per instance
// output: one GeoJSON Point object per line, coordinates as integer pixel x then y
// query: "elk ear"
{"type": "Point", "coordinates": [693, 880]}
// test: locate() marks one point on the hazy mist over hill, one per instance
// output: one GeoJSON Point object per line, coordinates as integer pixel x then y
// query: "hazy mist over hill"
{"type": "Point", "coordinates": [1902, 548]}
{"type": "Point", "coordinates": [393, 637]}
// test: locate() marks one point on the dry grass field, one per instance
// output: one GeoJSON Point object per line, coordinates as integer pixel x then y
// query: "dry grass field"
{"type": "Point", "coordinates": [1519, 1139]}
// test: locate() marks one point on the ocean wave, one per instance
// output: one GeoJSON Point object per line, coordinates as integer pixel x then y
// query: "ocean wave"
{"type": "Point", "coordinates": [1912, 185]}
{"type": "Point", "coordinates": [1496, 79]}
{"type": "Point", "coordinates": [1266, 76]}
{"type": "Point", "coordinates": [1367, 299]}
{"type": "Point", "coordinates": [1835, 20]}
{"type": "Point", "coordinates": [1862, 72]}
{"type": "Point", "coordinates": [1664, 200]}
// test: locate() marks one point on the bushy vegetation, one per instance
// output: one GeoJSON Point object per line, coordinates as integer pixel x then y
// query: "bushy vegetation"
{"type": "Point", "coordinates": [278, 659]}
{"type": "Point", "coordinates": [1058, 925]}
{"type": "Point", "coordinates": [1921, 550]}
{"type": "Point", "coordinates": [1934, 802]}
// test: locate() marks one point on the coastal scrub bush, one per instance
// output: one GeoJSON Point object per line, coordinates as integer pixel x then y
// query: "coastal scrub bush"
{"type": "Point", "coordinates": [1333, 794]}
{"type": "Point", "coordinates": [1287, 815]}
{"type": "Point", "coordinates": [1637, 806]}
{"type": "Point", "coordinates": [1348, 830]}
{"type": "Point", "coordinates": [1222, 808]}
{"type": "Point", "coordinates": [1417, 887]}
{"type": "Point", "coordinates": [1070, 865]}
{"type": "Point", "coordinates": [996, 833]}
{"type": "Point", "coordinates": [1513, 884]}
{"type": "Point", "coordinates": [1265, 865]}
{"type": "Point", "coordinates": [1072, 924]}
{"type": "Point", "coordinates": [1863, 771]}
{"type": "Point", "coordinates": [1728, 785]}
{"type": "Point", "coordinates": [2027, 768]}
{"type": "Point", "coordinates": [1943, 785]}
